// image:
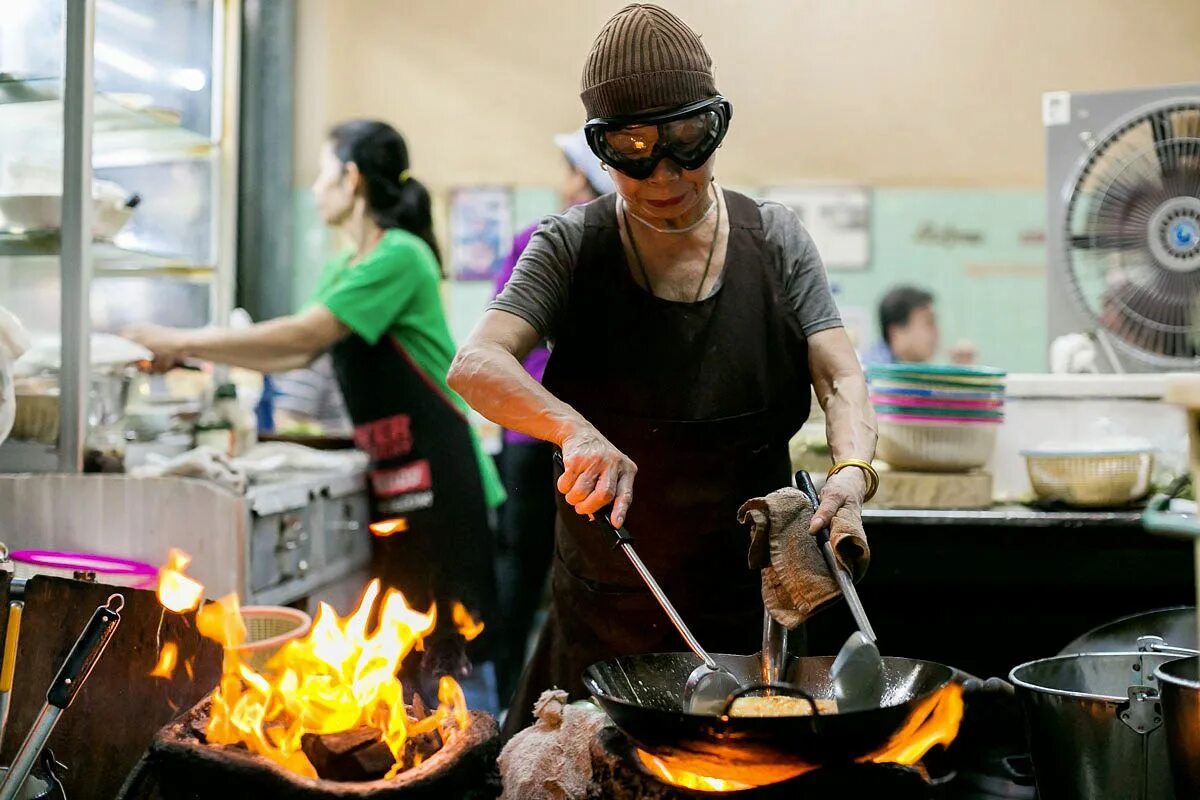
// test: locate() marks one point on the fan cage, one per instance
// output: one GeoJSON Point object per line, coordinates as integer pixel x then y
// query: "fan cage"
{"type": "Point", "coordinates": [1150, 302]}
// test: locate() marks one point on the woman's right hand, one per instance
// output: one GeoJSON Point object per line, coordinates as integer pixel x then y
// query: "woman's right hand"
{"type": "Point", "coordinates": [596, 473]}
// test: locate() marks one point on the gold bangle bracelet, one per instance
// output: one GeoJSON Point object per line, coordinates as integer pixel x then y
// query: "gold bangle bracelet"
{"type": "Point", "coordinates": [868, 472]}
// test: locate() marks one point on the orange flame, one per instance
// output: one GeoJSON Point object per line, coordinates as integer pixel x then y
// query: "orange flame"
{"type": "Point", "coordinates": [687, 780]}
{"type": "Point", "coordinates": [932, 722]}
{"type": "Point", "coordinates": [935, 721]}
{"type": "Point", "coordinates": [176, 591]}
{"type": "Point", "coordinates": [387, 527]}
{"type": "Point", "coordinates": [468, 628]}
{"type": "Point", "coordinates": [338, 677]}
{"type": "Point", "coordinates": [167, 659]}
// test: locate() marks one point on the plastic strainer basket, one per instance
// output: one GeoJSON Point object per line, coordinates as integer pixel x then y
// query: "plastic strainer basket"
{"type": "Point", "coordinates": [269, 628]}
{"type": "Point", "coordinates": [1090, 479]}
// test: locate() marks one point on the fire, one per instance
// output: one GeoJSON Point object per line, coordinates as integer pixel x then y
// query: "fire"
{"type": "Point", "coordinates": [387, 527]}
{"type": "Point", "coordinates": [687, 780]}
{"type": "Point", "coordinates": [934, 721]}
{"type": "Point", "coordinates": [468, 628]}
{"type": "Point", "coordinates": [167, 659]}
{"type": "Point", "coordinates": [338, 677]}
{"type": "Point", "coordinates": [176, 591]}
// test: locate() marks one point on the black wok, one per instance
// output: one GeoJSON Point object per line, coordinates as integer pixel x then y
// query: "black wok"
{"type": "Point", "coordinates": [643, 695]}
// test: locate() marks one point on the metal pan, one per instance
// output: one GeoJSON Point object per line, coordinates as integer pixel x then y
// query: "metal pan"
{"type": "Point", "coordinates": [643, 697]}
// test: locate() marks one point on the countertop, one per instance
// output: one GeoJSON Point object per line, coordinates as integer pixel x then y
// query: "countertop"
{"type": "Point", "coordinates": [1010, 515]}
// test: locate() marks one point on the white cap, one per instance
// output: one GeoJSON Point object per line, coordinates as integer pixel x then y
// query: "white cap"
{"type": "Point", "coordinates": [575, 148]}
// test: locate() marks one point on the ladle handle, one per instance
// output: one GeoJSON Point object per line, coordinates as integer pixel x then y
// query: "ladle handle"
{"type": "Point", "coordinates": [624, 540]}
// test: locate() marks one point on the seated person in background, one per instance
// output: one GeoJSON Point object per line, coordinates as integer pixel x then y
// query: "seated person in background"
{"type": "Point", "coordinates": [308, 401]}
{"type": "Point", "coordinates": [910, 331]}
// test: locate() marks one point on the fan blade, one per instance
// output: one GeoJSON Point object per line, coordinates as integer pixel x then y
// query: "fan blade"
{"type": "Point", "coordinates": [1163, 130]}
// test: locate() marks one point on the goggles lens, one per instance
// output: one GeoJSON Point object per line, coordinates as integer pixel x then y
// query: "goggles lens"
{"type": "Point", "coordinates": [636, 148]}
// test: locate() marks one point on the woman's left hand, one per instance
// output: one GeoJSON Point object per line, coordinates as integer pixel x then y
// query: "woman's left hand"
{"type": "Point", "coordinates": [846, 489]}
{"type": "Point", "coordinates": [166, 343]}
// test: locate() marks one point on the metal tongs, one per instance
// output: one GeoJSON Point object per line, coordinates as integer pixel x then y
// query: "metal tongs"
{"type": "Point", "coordinates": [75, 670]}
{"type": "Point", "coordinates": [857, 671]}
{"type": "Point", "coordinates": [710, 684]}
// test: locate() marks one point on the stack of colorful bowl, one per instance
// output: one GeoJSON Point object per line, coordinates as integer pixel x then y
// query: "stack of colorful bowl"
{"type": "Point", "coordinates": [936, 417]}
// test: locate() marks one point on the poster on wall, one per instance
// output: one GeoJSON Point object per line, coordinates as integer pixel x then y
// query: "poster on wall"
{"type": "Point", "coordinates": [837, 218]}
{"type": "Point", "coordinates": [480, 231]}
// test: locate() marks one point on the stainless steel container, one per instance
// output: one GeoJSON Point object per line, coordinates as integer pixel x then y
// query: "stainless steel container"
{"type": "Point", "coordinates": [1095, 726]}
{"type": "Point", "coordinates": [1179, 686]}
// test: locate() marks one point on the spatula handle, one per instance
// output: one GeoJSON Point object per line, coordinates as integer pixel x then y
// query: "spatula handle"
{"type": "Point", "coordinates": [845, 580]}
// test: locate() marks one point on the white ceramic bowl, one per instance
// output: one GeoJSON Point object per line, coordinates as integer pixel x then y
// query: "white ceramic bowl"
{"type": "Point", "coordinates": [936, 447]}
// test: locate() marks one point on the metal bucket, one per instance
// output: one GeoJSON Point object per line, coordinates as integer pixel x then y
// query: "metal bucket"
{"type": "Point", "coordinates": [1179, 686]}
{"type": "Point", "coordinates": [1095, 726]}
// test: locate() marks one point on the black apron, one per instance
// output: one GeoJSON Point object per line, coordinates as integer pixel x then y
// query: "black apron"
{"type": "Point", "coordinates": [704, 398]}
{"type": "Point", "coordinates": [423, 469]}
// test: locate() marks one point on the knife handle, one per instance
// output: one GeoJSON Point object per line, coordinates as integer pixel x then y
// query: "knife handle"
{"type": "Point", "coordinates": [601, 518]}
{"type": "Point", "coordinates": [84, 654]}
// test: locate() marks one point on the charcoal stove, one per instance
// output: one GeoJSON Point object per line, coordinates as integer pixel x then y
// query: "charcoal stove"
{"type": "Point", "coordinates": [181, 765]}
{"type": "Point", "coordinates": [618, 773]}
{"type": "Point", "coordinates": [987, 761]}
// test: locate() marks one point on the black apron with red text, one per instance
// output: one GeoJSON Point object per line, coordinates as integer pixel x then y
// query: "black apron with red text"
{"type": "Point", "coordinates": [703, 397]}
{"type": "Point", "coordinates": [423, 469]}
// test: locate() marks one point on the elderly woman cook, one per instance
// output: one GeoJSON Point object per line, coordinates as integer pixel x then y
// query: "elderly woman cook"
{"type": "Point", "coordinates": [688, 324]}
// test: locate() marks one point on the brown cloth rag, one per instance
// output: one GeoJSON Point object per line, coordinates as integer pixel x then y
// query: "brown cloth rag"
{"type": "Point", "coordinates": [796, 581]}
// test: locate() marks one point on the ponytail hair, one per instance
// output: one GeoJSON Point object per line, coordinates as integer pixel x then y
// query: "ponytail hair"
{"type": "Point", "coordinates": [394, 198]}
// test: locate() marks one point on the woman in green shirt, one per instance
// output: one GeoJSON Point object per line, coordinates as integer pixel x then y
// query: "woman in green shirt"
{"type": "Point", "coordinates": [378, 308]}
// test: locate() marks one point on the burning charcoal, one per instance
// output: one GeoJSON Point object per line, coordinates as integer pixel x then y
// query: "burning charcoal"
{"type": "Point", "coordinates": [419, 748]}
{"type": "Point", "coordinates": [348, 756]}
{"type": "Point", "coordinates": [417, 710]}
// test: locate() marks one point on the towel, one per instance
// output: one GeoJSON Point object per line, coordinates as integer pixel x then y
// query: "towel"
{"type": "Point", "coordinates": [796, 581]}
{"type": "Point", "coordinates": [204, 463]}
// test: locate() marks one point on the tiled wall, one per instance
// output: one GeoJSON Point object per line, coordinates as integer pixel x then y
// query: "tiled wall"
{"type": "Point", "coordinates": [980, 251]}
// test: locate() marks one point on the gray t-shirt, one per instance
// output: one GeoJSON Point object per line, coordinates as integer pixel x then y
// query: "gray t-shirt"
{"type": "Point", "coordinates": [540, 285]}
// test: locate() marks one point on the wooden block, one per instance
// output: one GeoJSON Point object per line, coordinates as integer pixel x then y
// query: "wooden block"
{"type": "Point", "coordinates": [933, 490]}
{"type": "Point", "coordinates": [118, 711]}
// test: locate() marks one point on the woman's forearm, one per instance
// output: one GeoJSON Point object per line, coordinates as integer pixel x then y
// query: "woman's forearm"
{"type": "Point", "coordinates": [273, 346]}
{"type": "Point", "coordinates": [494, 383]}
{"type": "Point", "coordinates": [849, 417]}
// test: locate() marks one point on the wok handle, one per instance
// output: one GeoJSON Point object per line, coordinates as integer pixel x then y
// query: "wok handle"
{"type": "Point", "coordinates": [778, 688]}
{"type": "Point", "coordinates": [601, 518]}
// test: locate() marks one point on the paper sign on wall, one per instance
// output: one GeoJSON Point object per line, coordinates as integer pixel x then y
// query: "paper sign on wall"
{"type": "Point", "coordinates": [480, 230]}
{"type": "Point", "coordinates": [837, 218]}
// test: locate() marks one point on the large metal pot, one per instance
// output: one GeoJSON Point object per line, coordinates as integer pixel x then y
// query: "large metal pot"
{"type": "Point", "coordinates": [1095, 726]}
{"type": "Point", "coordinates": [1179, 686]}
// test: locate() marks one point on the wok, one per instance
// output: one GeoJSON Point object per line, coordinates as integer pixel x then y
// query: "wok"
{"type": "Point", "coordinates": [643, 695]}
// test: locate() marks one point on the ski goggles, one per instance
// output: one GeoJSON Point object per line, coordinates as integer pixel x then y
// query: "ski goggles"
{"type": "Point", "coordinates": [688, 135]}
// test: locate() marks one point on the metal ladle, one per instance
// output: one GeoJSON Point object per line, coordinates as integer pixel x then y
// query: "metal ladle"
{"type": "Point", "coordinates": [857, 671]}
{"type": "Point", "coordinates": [710, 684]}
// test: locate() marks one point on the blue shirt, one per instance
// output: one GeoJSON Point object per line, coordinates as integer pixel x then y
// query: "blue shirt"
{"type": "Point", "coordinates": [878, 353]}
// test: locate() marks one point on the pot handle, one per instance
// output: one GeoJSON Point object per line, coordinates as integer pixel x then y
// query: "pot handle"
{"type": "Point", "coordinates": [1142, 713]}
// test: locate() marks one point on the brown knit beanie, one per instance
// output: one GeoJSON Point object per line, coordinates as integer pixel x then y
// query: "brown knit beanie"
{"type": "Point", "coordinates": [645, 58]}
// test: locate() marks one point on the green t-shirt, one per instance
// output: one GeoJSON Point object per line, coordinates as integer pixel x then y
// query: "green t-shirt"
{"type": "Point", "coordinates": [395, 290]}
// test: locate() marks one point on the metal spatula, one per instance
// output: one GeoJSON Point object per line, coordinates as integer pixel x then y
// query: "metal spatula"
{"type": "Point", "coordinates": [710, 684]}
{"type": "Point", "coordinates": [857, 671]}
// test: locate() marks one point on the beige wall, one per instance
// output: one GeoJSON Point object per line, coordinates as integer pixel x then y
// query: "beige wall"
{"type": "Point", "coordinates": [915, 92]}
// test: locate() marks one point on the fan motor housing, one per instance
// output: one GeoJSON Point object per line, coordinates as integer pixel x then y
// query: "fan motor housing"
{"type": "Point", "coordinates": [1138, 252]}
